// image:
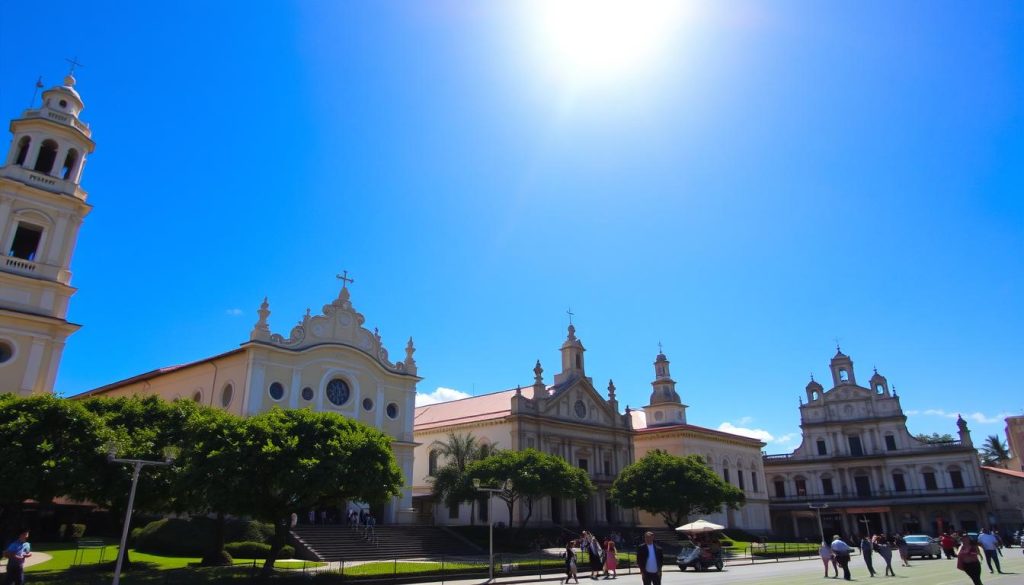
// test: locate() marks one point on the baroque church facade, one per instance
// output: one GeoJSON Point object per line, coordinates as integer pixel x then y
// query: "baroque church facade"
{"type": "Point", "coordinates": [571, 419]}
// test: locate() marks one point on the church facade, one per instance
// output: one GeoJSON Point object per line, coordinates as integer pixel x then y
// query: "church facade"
{"type": "Point", "coordinates": [328, 362]}
{"type": "Point", "coordinates": [860, 467]}
{"type": "Point", "coordinates": [571, 419]}
{"type": "Point", "coordinates": [42, 206]}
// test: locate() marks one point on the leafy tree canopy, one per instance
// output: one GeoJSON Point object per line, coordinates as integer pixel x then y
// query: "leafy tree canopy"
{"type": "Point", "coordinates": [934, 437]}
{"type": "Point", "coordinates": [673, 487]}
{"type": "Point", "coordinates": [994, 452]}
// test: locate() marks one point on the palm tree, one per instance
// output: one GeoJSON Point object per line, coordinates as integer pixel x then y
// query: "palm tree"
{"type": "Point", "coordinates": [451, 484]}
{"type": "Point", "coordinates": [460, 450]}
{"type": "Point", "coordinates": [994, 452]}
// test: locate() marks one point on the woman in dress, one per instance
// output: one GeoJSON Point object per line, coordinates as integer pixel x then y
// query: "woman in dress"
{"type": "Point", "coordinates": [967, 559]}
{"type": "Point", "coordinates": [828, 558]}
{"type": "Point", "coordinates": [611, 562]}
{"type": "Point", "coordinates": [570, 562]}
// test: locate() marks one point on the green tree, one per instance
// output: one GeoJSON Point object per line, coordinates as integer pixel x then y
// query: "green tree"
{"type": "Point", "coordinates": [673, 487]}
{"type": "Point", "coordinates": [994, 452]}
{"type": "Point", "coordinates": [452, 485]}
{"type": "Point", "coordinates": [459, 450]}
{"type": "Point", "coordinates": [534, 475]}
{"type": "Point", "coordinates": [48, 447]}
{"type": "Point", "coordinates": [934, 437]}
{"type": "Point", "coordinates": [211, 476]}
{"type": "Point", "coordinates": [139, 428]}
{"type": "Point", "coordinates": [296, 459]}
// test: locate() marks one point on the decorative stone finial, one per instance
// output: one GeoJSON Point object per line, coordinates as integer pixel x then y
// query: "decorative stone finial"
{"type": "Point", "coordinates": [611, 390]}
{"type": "Point", "coordinates": [538, 373]}
{"type": "Point", "coordinates": [261, 330]}
{"type": "Point", "coordinates": [572, 333]}
{"type": "Point", "coordinates": [519, 390]}
{"type": "Point", "coordinates": [410, 363]}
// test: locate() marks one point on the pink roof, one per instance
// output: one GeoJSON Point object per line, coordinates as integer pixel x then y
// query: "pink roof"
{"type": "Point", "coordinates": [704, 430]}
{"type": "Point", "coordinates": [475, 408]}
{"type": "Point", "coordinates": [1009, 472]}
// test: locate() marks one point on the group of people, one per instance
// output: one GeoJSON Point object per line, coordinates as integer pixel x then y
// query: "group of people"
{"type": "Point", "coordinates": [602, 555]}
{"type": "Point", "coordinates": [967, 552]}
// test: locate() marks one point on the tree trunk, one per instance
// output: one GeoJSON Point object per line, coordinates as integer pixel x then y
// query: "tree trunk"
{"type": "Point", "coordinates": [280, 539]}
{"type": "Point", "coordinates": [216, 555]}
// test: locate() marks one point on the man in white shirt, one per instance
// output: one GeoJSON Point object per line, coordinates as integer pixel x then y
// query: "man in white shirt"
{"type": "Point", "coordinates": [990, 544]}
{"type": "Point", "coordinates": [842, 551]}
{"type": "Point", "coordinates": [649, 559]}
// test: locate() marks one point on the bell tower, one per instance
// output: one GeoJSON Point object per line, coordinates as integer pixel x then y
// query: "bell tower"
{"type": "Point", "coordinates": [41, 210]}
{"type": "Point", "coordinates": [665, 408]}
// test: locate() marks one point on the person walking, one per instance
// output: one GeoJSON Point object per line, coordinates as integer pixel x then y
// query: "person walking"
{"type": "Point", "coordinates": [885, 551]}
{"type": "Point", "coordinates": [990, 544]}
{"type": "Point", "coordinates": [593, 548]}
{"type": "Point", "coordinates": [16, 553]}
{"type": "Point", "coordinates": [570, 563]}
{"type": "Point", "coordinates": [948, 545]}
{"type": "Point", "coordinates": [967, 559]}
{"type": "Point", "coordinates": [828, 558]}
{"type": "Point", "coordinates": [649, 559]}
{"type": "Point", "coordinates": [867, 551]}
{"type": "Point", "coordinates": [842, 552]}
{"type": "Point", "coordinates": [901, 545]}
{"type": "Point", "coordinates": [611, 560]}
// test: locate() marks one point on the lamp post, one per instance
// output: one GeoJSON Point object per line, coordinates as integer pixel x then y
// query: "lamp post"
{"type": "Point", "coordinates": [137, 464]}
{"type": "Point", "coordinates": [818, 508]}
{"type": "Point", "coordinates": [490, 521]}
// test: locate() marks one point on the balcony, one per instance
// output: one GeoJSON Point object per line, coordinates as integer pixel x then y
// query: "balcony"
{"type": "Point", "coordinates": [42, 181]}
{"type": "Point", "coordinates": [929, 447]}
{"type": "Point", "coordinates": [34, 269]}
{"type": "Point", "coordinates": [968, 493]}
{"type": "Point", "coordinates": [59, 117]}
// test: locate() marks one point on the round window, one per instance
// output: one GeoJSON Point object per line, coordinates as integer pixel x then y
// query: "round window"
{"type": "Point", "coordinates": [6, 351]}
{"type": "Point", "coordinates": [581, 409]}
{"type": "Point", "coordinates": [225, 395]}
{"type": "Point", "coordinates": [276, 391]}
{"type": "Point", "coordinates": [197, 397]}
{"type": "Point", "coordinates": [307, 393]}
{"type": "Point", "coordinates": [392, 410]}
{"type": "Point", "coordinates": [367, 404]}
{"type": "Point", "coordinates": [63, 103]}
{"type": "Point", "coordinates": [337, 391]}
{"type": "Point", "coordinates": [659, 416]}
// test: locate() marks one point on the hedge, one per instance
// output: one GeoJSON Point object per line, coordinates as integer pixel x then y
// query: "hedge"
{"type": "Point", "coordinates": [257, 550]}
{"type": "Point", "coordinates": [195, 536]}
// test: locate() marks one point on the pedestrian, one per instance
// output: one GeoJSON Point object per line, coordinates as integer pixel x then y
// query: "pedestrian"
{"type": "Point", "coordinates": [570, 563]}
{"type": "Point", "coordinates": [901, 545]}
{"type": "Point", "coordinates": [828, 558]}
{"type": "Point", "coordinates": [649, 559]}
{"type": "Point", "coordinates": [948, 545]}
{"type": "Point", "coordinates": [611, 559]}
{"type": "Point", "coordinates": [967, 559]}
{"type": "Point", "coordinates": [885, 551]}
{"type": "Point", "coordinates": [990, 544]}
{"type": "Point", "coordinates": [593, 547]}
{"type": "Point", "coordinates": [16, 553]}
{"type": "Point", "coordinates": [867, 551]}
{"type": "Point", "coordinates": [842, 552]}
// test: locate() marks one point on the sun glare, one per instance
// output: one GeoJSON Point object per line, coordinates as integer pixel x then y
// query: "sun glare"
{"type": "Point", "coordinates": [605, 40]}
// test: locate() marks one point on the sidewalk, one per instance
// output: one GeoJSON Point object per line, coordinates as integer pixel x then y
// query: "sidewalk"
{"type": "Point", "coordinates": [35, 559]}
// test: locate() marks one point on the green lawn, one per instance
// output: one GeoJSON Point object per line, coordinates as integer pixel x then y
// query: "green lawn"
{"type": "Point", "coordinates": [64, 556]}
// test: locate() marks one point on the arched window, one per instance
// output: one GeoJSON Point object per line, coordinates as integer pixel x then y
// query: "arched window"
{"type": "Point", "coordinates": [930, 482]}
{"type": "Point", "coordinates": [899, 483]}
{"type": "Point", "coordinates": [226, 395]}
{"type": "Point", "coordinates": [827, 488]}
{"type": "Point", "coordinates": [69, 164]}
{"type": "Point", "coordinates": [432, 463]}
{"type": "Point", "coordinates": [800, 483]}
{"type": "Point", "coordinates": [579, 362]}
{"type": "Point", "coordinates": [956, 478]}
{"type": "Point", "coordinates": [844, 376]}
{"type": "Point", "coordinates": [197, 397]}
{"type": "Point", "coordinates": [47, 156]}
{"type": "Point", "coordinates": [485, 450]}
{"type": "Point", "coordinates": [23, 145]}
{"type": "Point", "coordinates": [879, 389]}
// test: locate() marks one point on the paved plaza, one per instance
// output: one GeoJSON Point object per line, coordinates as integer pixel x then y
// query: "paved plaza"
{"type": "Point", "coordinates": [921, 572]}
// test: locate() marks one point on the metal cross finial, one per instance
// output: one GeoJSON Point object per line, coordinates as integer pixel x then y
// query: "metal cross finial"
{"type": "Point", "coordinates": [836, 339]}
{"type": "Point", "coordinates": [345, 280]}
{"type": "Point", "coordinates": [74, 63]}
{"type": "Point", "coordinates": [570, 313]}
{"type": "Point", "coordinates": [659, 348]}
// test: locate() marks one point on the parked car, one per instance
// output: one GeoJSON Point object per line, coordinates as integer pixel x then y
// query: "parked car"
{"type": "Point", "coordinates": [922, 545]}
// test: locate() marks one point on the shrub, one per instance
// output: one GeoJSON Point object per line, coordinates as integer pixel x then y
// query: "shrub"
{"type": "Point", "coordinates": [257, 550]}
{"type": "Point", "coordinates": [72, 531]}
{"type": "Point", "coordinates": [193, 537]}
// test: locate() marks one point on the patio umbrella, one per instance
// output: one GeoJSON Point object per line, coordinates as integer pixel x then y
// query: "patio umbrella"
{"type": "Point", "coordinates": [700, 526]}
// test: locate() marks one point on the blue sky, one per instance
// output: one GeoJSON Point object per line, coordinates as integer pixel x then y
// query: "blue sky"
{"type": "Point", "coordinates": [767, 178]}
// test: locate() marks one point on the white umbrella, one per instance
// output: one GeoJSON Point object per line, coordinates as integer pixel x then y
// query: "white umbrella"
{"type": "Point", "coordinates": [699, 526]}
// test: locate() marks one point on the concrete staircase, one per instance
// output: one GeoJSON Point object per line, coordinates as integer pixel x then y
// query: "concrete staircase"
{"type": "Point", "coordinates": [343, 543]}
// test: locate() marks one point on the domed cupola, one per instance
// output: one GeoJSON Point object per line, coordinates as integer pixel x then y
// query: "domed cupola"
{"type": "Point", "coordinates": [665, 407]}
{"type": "Point", "coordinates": [879, 384]}
{"type": "Point", "coordinates": [814, 390]}
{"type": "Point", "coordinates": [842, 369]}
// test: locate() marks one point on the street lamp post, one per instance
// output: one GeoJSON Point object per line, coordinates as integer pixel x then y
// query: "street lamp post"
{"type": "Point", "coordinates": [137, 464]}
{"type": "Point", "coordinates": [490, 521]}
{"type": "Point", "coordinates": [818, 508]}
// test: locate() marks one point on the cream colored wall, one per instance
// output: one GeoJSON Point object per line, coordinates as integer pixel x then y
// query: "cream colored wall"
{"type": "Point", "coordinates": [1006, 499]}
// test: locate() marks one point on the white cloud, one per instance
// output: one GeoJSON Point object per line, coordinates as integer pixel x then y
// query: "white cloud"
{"type": "Point", "coordinates": [786, 439]}
{"type": "Point", "coordinates": [978, 417]}
{"type": "Point", "coordinates": [746, 420]}
{"type": "Point", "coordinates": [728, 427]}
{"type": "Point", "coordinates": [233, 312]}
{"type": "Point", "coordinates": [442, 394]}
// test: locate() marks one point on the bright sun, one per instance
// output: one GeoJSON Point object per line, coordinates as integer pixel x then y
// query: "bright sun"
{"type": "Point", "coordinates": [605, 40]}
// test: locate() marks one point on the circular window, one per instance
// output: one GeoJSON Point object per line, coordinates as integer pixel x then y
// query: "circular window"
{"type": "Point", "coordinates": [392, 410]}
{"type": "Point", "coordinates": [307, 393]}
{"type": "Point", "coordinates": [6, 351]}
{"type": "Point", "coordinates": [276, 391]}
{"type": "Point", "coordinates": [337, 391]}
{"type": "Point", "coordinates": [63, 103]}
{"type": "Point", "coordinates": [367, 404]}
{"type": "Point", "coordinates": [225, 395]}
{"type": "Point", "coordinates": [659, 416]}
{"type": "Point", "coordinates": [581, 409]}
{"type": "Point", "coordinates": [197, 397]}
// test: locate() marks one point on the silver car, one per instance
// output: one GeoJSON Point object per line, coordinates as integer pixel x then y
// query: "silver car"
{"type": "Point", "coordinates": [922, 545]}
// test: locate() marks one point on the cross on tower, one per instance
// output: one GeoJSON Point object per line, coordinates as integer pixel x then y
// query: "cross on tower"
{"type": "Point", "coordinates": [570, 313]}
{"type": "Point", "coordinates": [836, 339]}
{"type": "Point", "coordinates": [659, 348]}
{"type": "Point", "coordinates": [345, 280]}
{"type": "Point", "coordinates": [74, 63]}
